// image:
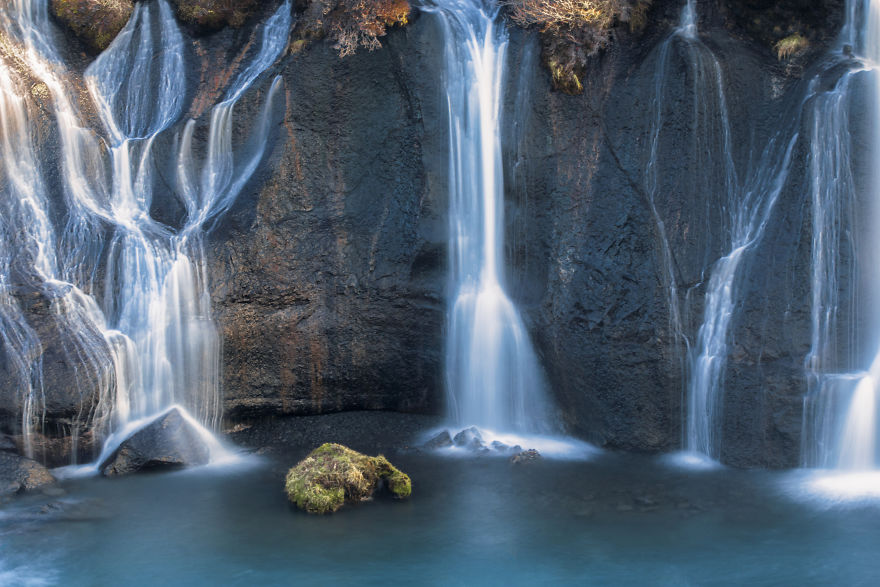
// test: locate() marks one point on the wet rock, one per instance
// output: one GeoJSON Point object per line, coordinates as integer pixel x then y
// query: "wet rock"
{"type": "Point", "coordinates": [467, 437]}
{"type": "Point", "coordinates": [441, 440]}
{"type": "Point", "coordinates": [95, 22]}
{"type": "Point", "coordinates": [169, 442]}
{"type": "Point", "coordinates": [7, 444]}
{"type": "Point", "coordinates": [19, 474]}
{"type": "Point", "coordinates": [526, 457]}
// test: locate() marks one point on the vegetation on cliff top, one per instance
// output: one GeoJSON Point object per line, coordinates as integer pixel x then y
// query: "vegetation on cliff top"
{"type": "Point", "coordinates": [95, 22]}
{"type": "Point", "coordinates": [333, 474]}
{"type": "Point", "coordinates": [574, 30]}
{"type": "Point", "coordinates": [351, 24]}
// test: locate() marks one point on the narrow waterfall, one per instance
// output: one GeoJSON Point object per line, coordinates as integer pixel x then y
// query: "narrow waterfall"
{"type": "Point", "coordinates": [146, 329]}
{"type": "Point", "coordinates": [840, 409]}
{"type": "Point", "coordinates": [493, 377]}
{"type": "Point", "coordinates": [745, 207]}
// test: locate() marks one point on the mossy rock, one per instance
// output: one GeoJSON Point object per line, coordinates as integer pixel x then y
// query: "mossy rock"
{"type": "Point", "coordinates": [333, 474]}
{"type": "Point", "coordinates": [95, 22]}
{"type": "Point", "coordinates": [205, 16]}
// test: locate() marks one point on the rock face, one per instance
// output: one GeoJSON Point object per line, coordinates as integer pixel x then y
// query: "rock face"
{"type": "Point", "coordinates": [329, 272]}
{"type": "Point", "coordinates": [19, 474]}
{"type": "Point", "coordinates": [169, 442]}
{"type": "Point", "coordinates": [333, 474]}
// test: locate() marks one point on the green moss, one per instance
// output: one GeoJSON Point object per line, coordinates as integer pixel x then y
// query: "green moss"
{"type": "Point", "coordinates": [791, 45]}
{"type": "Point", "coordinates": [333, 474]}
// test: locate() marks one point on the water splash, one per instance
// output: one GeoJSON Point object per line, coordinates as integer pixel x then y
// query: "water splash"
{"type": "Point", "coordinates": [840, 408]}
{"type": "Point", "coordinates": [493, 376]}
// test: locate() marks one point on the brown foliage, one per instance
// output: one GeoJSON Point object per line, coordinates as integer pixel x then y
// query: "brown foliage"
{"type": "Point", "coordinates": [354, 23]}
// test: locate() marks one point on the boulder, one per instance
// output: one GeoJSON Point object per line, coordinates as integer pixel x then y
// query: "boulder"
{"type": "Point", "coordinates": [333, 474]}
{"type": "Point", "coordinates": [469, 437]}
{"type": "Point", "coordinates": [95, 22]}
{"type": "Point", "coordinates": [168, 442]}
{"type": "Point", "coordinates": [526, 457]}
{"type": "Point", "coordinates": [441, 440]}
{"type": "Point", "coordinates": [19, 474]}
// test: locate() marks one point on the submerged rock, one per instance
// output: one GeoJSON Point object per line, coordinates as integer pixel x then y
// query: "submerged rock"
{"type": "Point", "coordinates": [95, 22]}
{"type": "Point", "coordinates": [442, 440]}
{"type": "Point", "coordinates": [526, 457]}
{"type": "Point", "coordinates": [169, 442]}
{"type": "Point", "coordinates": [333, 474]}
{"type": "Point", "coordinates": [19, 474]}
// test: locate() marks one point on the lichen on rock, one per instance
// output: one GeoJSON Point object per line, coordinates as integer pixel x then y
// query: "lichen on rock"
{"type": "Point", "coordinates": [333, 474]}
{"type": "Point", "coordinates": [95, 22]}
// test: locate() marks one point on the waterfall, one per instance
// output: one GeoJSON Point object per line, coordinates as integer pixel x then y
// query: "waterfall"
{"type": "Point", "coordinates": [145, 326]}
{"type": "Point", "coordinates": [493, 377]}
{"type": "Point", "coordinates": [840, 408]}
{"type": "Point", "coordinates": [745, 207]}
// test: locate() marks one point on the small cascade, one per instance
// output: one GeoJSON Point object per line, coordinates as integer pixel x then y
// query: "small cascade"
{"type": "Point", "coordinates": [493, 377]}
{"type": "Point", "coordinates": [745, 207]}
{"type": "Point", "coordinates": [146, 330]}
{"type": "Point", "coordinates": [840, 408]}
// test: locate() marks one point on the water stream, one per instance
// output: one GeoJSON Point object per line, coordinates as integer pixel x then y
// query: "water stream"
{"type": "Point", "coordinates": [129, 292]}
{"type": "Point", "coordinates": [493, 377]}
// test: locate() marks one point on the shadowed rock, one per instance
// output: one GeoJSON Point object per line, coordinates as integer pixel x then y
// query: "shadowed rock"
{"type": "Point", "coordinates": [169, 442]}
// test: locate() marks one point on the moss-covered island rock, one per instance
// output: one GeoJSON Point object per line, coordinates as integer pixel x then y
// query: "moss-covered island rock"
{"type": "Point", "coordinates": [333, 474]}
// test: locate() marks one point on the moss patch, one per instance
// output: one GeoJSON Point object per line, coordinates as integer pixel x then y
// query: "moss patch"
{"type": "Point", "coordinates": [333, 474]}
{"type": "Point", "coordinates": [95, 22]}
{"type": "Point", "coordinates": [210, 15]}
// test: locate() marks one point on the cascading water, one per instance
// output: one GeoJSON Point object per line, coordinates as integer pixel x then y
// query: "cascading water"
{"type": "Point", "coordinates": [152, 341]}
{"type": "Point", "coordinates": [493, 377]}
{"type": "Point", "coordinates": [745, 208]}
{"type": "Point", "coordinates": [840, 409]}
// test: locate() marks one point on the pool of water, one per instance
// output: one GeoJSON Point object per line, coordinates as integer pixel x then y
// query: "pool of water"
{"type": "Point", "coordinates": [610, 519]}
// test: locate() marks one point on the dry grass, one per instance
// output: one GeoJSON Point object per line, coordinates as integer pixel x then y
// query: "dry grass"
{"type": "Point", "coordinates": [353, 24]}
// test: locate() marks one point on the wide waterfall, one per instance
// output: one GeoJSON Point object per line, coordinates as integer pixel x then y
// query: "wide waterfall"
{"type": "Point", "coordinates": [493, 377]}
{"type": "Point", "coordinates": [745, 201]}
{"type": "Point", "coordinates": [841, 408]}
{"type": "Point", "coordinates": [130, 293]}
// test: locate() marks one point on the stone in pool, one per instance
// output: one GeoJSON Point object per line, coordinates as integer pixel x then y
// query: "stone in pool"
{"type": "Point", "coordinates": [168, 442]}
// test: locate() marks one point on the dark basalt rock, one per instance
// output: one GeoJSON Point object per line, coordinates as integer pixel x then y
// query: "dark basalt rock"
{"type": "Point", "coordinates": [441, 440]}
{"type": "Point", "coordinates": [526, 457]}
{"type": "Point", "coordinates": [469, 437]}
{"type": "Point", "coordinates": [19, 474]}
{"type": "Point", "coordinates": [169, 442]}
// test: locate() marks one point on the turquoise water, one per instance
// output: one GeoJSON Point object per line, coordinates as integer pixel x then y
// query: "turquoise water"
{"type": "Point", "coordinates": [611, 520]}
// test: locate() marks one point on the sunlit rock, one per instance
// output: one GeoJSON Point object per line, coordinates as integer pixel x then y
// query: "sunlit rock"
{"type": "Point", "coordinates": [19, 474]}
{"type": "Point", "coordinates": [333, 474]}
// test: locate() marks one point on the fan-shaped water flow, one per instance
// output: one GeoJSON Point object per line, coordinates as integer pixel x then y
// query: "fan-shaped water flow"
{"type": "Point", "coordinates": [158, 345]}
{"type": "Point", "coordinates": [840, 408]}
{"type": "Point", "coordinates": [493, 377]}
{"type": "Point", "coordinates": [745, 209]}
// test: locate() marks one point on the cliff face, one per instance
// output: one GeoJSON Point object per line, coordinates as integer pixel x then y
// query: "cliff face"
{"type": "Point", "coordinates": [329, 272]}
